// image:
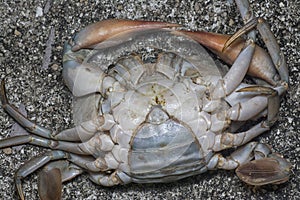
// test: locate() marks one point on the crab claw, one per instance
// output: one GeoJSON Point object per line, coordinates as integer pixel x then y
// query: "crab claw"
{"type": "Point", "coordinates": [271, 170]}
{"type": "Point", "coordinates": [100, 31]}
{"type": "Point", "coordinates": [261, 65]}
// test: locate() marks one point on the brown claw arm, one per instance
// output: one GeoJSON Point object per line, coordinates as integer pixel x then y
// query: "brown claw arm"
{"type": "Point", "coordinates": [261, 65]}
{"type": "Point", "coordinates": [100, 31]}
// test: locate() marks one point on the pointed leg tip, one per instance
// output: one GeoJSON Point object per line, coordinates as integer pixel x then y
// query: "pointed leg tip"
{"type": "Point", "coordinates": [19, 188]}
{"type": "Point", "coordinates": [3, 97]}
{"type": "Point", "coordinates": [75, 48]}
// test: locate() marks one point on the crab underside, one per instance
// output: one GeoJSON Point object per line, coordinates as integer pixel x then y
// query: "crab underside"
{"type": "Point", "coordinates": [164, 114]}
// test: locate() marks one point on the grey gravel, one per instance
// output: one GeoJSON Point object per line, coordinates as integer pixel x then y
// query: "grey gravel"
{"type": "Point", "coordinates": [24, 31]}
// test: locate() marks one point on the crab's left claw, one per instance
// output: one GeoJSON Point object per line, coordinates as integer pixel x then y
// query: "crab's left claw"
{"type": "Point", "coordinates": [103, 30]}
{"type": "Point", "coordinates": [271, 170]}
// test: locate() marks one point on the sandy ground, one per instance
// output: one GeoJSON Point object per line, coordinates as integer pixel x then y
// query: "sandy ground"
{"type": "Point", "coordinates": [34, 79]}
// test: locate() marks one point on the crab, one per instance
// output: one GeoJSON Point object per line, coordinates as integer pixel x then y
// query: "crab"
{"type": "Point", "coordinates": [162, 117]}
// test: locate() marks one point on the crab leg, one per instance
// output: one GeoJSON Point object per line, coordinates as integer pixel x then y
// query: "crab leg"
{"type": "Point", "coordinates": [228, 47]}
{"type": "Point", "coordinates": [271, 170]}
{"type": "Point", "coordinates": [89, 163]}
{"type": "Point", "coordinates": [265, 169]}
{"type": "Point", "coordinates": [102, 123]}
{"type": "Point", "coordinates": [268, 98]}
{"type": "Point", "coordinates": [241, 155]}
{"type": "Point", "coordinates": [246, 110]}
{"type": "Point", "coordinates": [247, 14]}
{"type": "Point", "coordinates": [270, 41]}
{"type": "Point", "coordinates": [99, 142]}
{"type": "Point", "coordinates": [274, 51]}
{"type": "Point", "coordinates": [235, 75]}
{"type": "Point", "coordinates": [273, 48]}
{"type": "Point", "coordinates": [103, 30]}
{"type": "Point", "coordinates": [104, 179]}
{"type": "Point", "coordinates": [43, 142]}
{"type": "Point", "coordinates": [53, 175]}
{"type": "Point", "coordinates": [229, 140]}
{"type": "Point", "coordinates": [12, 111]}
{"type": "Point", "coordinates": [83, 132]}
{"type": "Point", "coordinates": [267, 36]}
{"type": "Point", "coordinates": [35, 164]}
{"type": "Point", "coordinates": [86, 130]}
{"type": "Point", "coordinates": [78, 148]}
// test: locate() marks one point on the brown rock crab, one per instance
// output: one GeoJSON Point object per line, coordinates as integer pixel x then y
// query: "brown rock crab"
{"type": "Point", "coordinates": [164, 119]}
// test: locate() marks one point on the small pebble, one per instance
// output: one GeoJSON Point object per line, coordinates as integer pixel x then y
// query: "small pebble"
{"type": "Point", "coordinates": [54, 66]}
{"type": "Point", "coordinates": [7, 151]}
{"type": "Point", "coordinates": [39, 12]}
{"type": "Point", "coordinates": [17, 33]}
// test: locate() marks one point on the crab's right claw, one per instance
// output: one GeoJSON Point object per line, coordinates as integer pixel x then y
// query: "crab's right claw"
{"type": "Point", "coordinates": [261, 65]}
{"type": "Point", "coordinates": [271, 170]}
{"type": "Point", "coordinates": [103, 30]}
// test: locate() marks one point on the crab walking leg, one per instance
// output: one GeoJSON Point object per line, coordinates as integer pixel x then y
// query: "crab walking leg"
{"type": "Point", "coordinates": [270, 41]}
{"type": "Point", "coordinates": [241, 155]}
{"type": "Point", "coordinates": [89, 162]}
{"type": "Point", "coordinates": [24, 139]}
{"type": "Point", "coordinates": [236, 74]}
{"type": "Point", "coordinates": [67, 169]}
{"type": "Point", "coordinates": [104, 141]}
{"type": "Point", "coordinates": [99, 142]}
{"type": "Point", "coordinates": [53, 175]}
{"type": "Point", "coordinates": [116, 158]}
{"type": "Point", "coordinates": [229, 140]}
{"type": "Point", "coordinates": [43, 142]}
{"type": "Point", "coordinates": [268, 38]}
{"type": "Point", "coordinates": [16, 115]}
{"type": "Point", "coordinates": [267, 98]}
{"type": "Point", "coordinates": [273, 48]}
{"type": "Point", "coordinates": [266, 168]}
{"type": "Point", "coordinates": [86, 130]}
{"type": "Point", "coordinates": [83, 132]}
{"type": "Point", "coordinates": [34, 164]}
{"type": "Point", "coordinates": [247, 14]}
{"type": "Point", "coordinates": [105, 179]}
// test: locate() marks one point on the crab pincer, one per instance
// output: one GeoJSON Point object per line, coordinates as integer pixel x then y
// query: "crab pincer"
{"type": "Point", "coordinates": [261, 65]}
{"type": "Point", "coordinates": [103, 30]}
